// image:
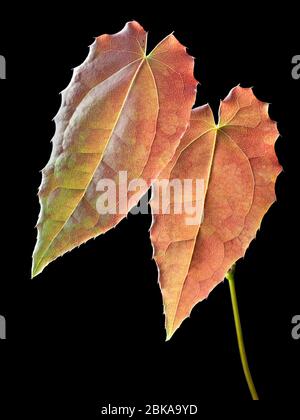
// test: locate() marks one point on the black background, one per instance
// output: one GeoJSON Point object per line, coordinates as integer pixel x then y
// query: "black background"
{"type": "Point", "coordinates": [89, 330]}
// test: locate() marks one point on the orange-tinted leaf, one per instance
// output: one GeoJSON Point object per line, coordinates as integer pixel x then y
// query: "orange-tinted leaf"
{"type": "Point", "coordinates": [237, 161]}
{"type": "Point", "coordinates": [124, 110]}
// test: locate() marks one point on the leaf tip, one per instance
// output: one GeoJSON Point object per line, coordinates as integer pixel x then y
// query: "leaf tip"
{"type": "Point", "coordinates": [170, 330]}
{"type": "Point", "coordinates": [36, 268]}
{"type": "Point", "coordinates": [34, 272]}
{"type": "Point", "coordinates": [169, 335]}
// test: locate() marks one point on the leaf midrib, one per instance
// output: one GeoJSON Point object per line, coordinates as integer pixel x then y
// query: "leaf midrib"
{"type": "Point", "coordinates": [197, 234]}
{"type": "Point", "coordinates": [216, 129]}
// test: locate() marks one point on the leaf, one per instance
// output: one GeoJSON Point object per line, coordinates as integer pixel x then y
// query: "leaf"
{"type": "Point", "coordinates": [122, 111]}
{"type": "Point", "coordinates": [237, 161]}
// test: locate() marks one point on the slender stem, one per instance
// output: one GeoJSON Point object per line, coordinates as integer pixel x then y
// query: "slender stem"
{"type": "Point", "coordinates": [239, 334]}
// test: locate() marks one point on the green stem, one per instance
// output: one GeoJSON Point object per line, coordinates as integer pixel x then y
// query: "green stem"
{"type": "Point", "coordinates": [239, 334]}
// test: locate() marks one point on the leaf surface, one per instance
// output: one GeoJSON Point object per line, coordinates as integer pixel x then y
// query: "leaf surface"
{"type": "Point", "coordinates": [123, 110]}
{"type": "Point", "coordinates": [237, 161]}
